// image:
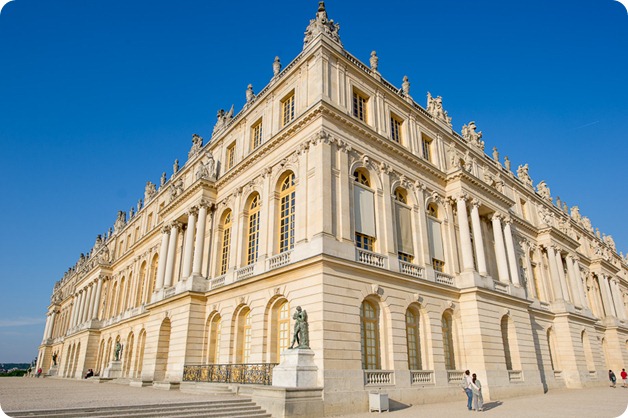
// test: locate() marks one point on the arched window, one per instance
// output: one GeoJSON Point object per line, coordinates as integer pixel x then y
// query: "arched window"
{"type": "Point", "coordinates": [364, 210]}
{"type": "Point", "coordinates": [448, 341]}
{"type": "Point", "coordinates": [213, 340]}
{"type": "Point", "coordinates": [413, 336]}
{"type": "Point", "coordinates": [287, 197]}
{"type": "Point", "coordinates": [140, 289]}
{"type": "Point", "coordinates": [139, 358]}
{"type": "Point", "coordinates": [435, 237]}
{"type": "Point", "coordinates": [120, 297]}
{"type": "Point", "coordinates": [226, 243]}
{"type": "Point", "coordinates": [369, 330]}
{"type": "Point", "coordinates": [283, 327]}
{"type": "Point", "coordinates": [153, 277]}
{"type": "Point", "coordinates": [405, 247]}
{"type": "Point", "coordinates": [253, 231]}
{"type": "Point", "coordinates": [243, 353]}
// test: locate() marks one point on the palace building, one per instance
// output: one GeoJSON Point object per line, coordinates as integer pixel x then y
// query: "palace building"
{"type": "Point", "coordinates": [414, 253]}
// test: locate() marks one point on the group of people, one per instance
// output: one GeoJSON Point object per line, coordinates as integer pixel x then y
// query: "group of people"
{"type": "Point", "coordinates": [473, 389]}
{"type": "Point", "coordinates": [613, 378]}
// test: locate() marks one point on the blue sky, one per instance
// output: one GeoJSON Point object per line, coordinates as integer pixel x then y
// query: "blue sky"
{"type": "Point", "coordinates": [98, 97]}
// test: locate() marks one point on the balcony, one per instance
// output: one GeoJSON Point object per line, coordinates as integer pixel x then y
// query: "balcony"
{"type": "Point", "coordinates": [245, 272]}
{"type": "Point", "coordinates": [443, 278]}
{"type": "Point", "coordinates": [250, 373]}
{"type": "Point", "coordinates": [421, 377]}
{"type": "Point", "coordinates": [379, 377]}
{"type": "Point", "coordinates": [370, 258]}
{"type": "Point", "coordinates": [411, 269]}
{"type": "Point", "coordinates": [454, 376]}
{"type": "Point", "coordinates": [279, 260]}
{"type": "Point", "coordinates": [217, 282]}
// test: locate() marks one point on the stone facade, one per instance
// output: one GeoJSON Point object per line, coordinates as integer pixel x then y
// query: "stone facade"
{"type": "Point", "coordinates": [415, 254]}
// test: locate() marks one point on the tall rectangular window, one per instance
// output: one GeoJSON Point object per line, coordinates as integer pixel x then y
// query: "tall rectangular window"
{"type": "Point", "coordinates": [395, 129]}
{"type": "Point", "coordinates": [426, 144]}
{"type": "Point", "coordinates": [359, 105]}
{"type": "Point", "coordinates": [287, 109]}
{"type": "Point", "coordinates": [230, 156]}
{"type": "Point", "coordinates": [256, 135]}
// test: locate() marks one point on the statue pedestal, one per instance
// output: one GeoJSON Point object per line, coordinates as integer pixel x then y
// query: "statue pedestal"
{"type": "Point", "coordinates": [53, 371]}
{"type": "Point", "coordinates": [114, 370]}
{"type": "Point", "coordinates": [296, 370]}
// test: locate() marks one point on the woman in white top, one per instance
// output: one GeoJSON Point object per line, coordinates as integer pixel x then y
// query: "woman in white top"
{"type": "Point", "coordinates": [476, 387]}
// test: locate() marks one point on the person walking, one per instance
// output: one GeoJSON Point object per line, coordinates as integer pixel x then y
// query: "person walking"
{"type": "Point", "coordinates": [476, 388]}
{"type": "Point", "coordinates": [612, 378]}
{"type": "Point", "coordinates": [466, 387]}
{"type": "Point", "coordinates": [624, 378]}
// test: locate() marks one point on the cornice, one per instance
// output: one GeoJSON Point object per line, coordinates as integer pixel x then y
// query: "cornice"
{"type": "Point", "coordinates": [200, 184]}
{"type": "Point", "coordinates": [465, 179]}
{"type": "Point", "coordinates": [551, 234]}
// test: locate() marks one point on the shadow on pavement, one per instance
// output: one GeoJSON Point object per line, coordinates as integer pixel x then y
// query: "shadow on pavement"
{"type": "Point", "coordinates": [491, 405]}
{"type": "Point", "coordinates": [396, 406]}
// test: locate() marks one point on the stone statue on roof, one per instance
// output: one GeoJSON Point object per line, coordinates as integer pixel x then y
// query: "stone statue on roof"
{"type": "Point", "coordinates": [544, 191]}
{"type": "Point", "coordinates": [197, 145]}
{"type": "Point", "coordinates": [435, 108]}
{"type": "Point", "coordinates": [321, 25]}
{"type": "Point", "coordinates": [223, 119]}
{"type": "Point", "coordinates": [522, 174]}
{"type": "Point", "coordinates": [472, 137]}
{"type": "Point", "coordinates": [374, 61]}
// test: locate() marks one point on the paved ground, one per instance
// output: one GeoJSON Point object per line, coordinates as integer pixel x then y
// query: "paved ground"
{"type": "Point", "coordinates": [30, 393]}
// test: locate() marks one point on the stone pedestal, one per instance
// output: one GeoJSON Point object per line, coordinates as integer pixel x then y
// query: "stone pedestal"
{"type": "Point", "coordinates": [53, 371]}
{"type": "Point", "coordinates": [296, 370]}
{"type": "Point", "coordinates": [114, 370]}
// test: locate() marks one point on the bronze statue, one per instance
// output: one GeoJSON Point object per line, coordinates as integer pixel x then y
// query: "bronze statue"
{"type": "Point", "coordinates": [301, 329]}
{"type": "Point", "coordinates": [54, 358]}
{"type": "Point", "coordinates": [117, 352]}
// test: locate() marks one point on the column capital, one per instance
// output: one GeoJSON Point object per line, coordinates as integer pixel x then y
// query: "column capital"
{"type": "Point", "coordinates": [496, 216]}
{"type": "Point", "coordinates": [193, 211]}
{"type": "Point", "coordinates": [176, 225]}
{"type": "Point", "coordinates": [165, 229]}
{"type": "Point", "coordinates": [461, 196]}
{"type": "Point", "coordinates": [476, 203]}
{"type": "Point", "coordinates": [507, 219]}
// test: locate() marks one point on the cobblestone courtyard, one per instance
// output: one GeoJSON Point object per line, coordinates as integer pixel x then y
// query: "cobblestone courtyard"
{"type": "Point", "coordinates": [18, 394]}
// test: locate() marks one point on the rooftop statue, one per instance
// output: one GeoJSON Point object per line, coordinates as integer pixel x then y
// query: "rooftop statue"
{"type": "Point", "coordinates": [149, 191]}
{"type": "Point", "coordinates": [250, 95]}
{"type": "Point", "coordinates": [175, 167]}
{"type": "Point", "coordinates": [575, 213]}
{"type": "Point", "coordinates": [197, 145]}
{"type": "Point", "coordinates": [374, 61]}
{"type": "Point", "coordinates": [301, 329]}
{"type": "Point", "coordinates": [495, 155]}
{"type": "Point", "coordinates": [507, 163]}
{"type": "Point", "coordinates": [223, 118]}
{"type": "Point", "coordinates": [120, 221]}
{"type": "Point", "coordinates": [544, 190]}
{"type": "Point", "coordinates": [474, 138]}
{"type": "Point", "coordinates": [163, 179]}
{"type": "Point", "coordinates": [207, 170]}
{"type": "Point", "coordinates": [522, 174]}
{"type": "Point", "coordinates": [321, 25]}
{"type": "Point", "coordinates": [276, 67]}
{"type": "Point", "coordinates": [435, 108]}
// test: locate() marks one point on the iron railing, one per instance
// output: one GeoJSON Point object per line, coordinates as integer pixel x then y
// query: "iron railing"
{"type": "Point", "coordinates": [250, 373]}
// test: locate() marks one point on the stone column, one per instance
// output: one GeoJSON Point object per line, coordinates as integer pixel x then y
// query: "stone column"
{"type": "Point", "coordinates": [512, 257]}
{"type": "Point", "coordinates": [47, 327]}
{"type": "Point", "coordinates": [172, 250]}
{"type": "Point", "coordinates": [500, 250]}
{"type": "Point", "coordinates": [607, 299]}
{"type": "Point", "coordinates": [477, 238]}
{"type": "Point", "coordinates": [465, 234]}
{"type": "Point", "coordinates": [617, 299]}
{"type": "Point", "coordinates": [74, 307]}
{"type": "Point", "coordinates": [197, 265]}
{"type": "Point", "coordinates": [79, 312]}
{"type": "Point", "coordinates": [573, 280]}
{"type": "Point", "coordinates": [556, 286]}
{"type": "Point", "coordinates": [163, 255]}
{"type": "Point", "coordinates": [189, 243]}
{"type": "Point", "coordinates": [88, 303]}
{"type": "Point", "coordinates": [561, 275]}
{"type": "Point", "coordinates": [97, 298]}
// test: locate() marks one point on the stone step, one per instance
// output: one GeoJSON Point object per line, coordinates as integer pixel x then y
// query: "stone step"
{"type": "Point", "coordinates": [215, 409]}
